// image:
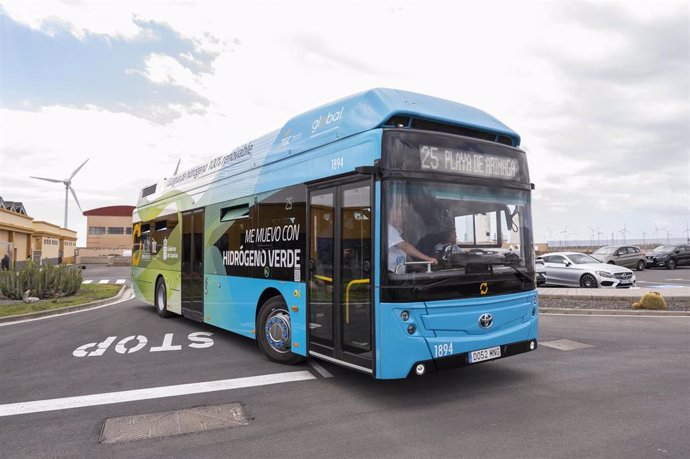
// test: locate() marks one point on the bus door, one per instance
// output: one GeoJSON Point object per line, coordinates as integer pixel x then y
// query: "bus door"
{"type": "Point", "coordinates": [340, 274]}
{"type": "Point", "coordinates": [193, 264]}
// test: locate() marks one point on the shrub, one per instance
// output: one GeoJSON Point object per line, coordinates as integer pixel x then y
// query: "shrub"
{"type": "Point", "coordinates": [651, 300]}
{"type": "Point", "coordinates": [45, 281]}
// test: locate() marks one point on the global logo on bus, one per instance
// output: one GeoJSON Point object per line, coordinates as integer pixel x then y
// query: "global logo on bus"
{"type": "Point", "coordinates": [325, 120]}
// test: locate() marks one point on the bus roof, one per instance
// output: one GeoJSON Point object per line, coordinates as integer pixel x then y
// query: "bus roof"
{"type": "Point", "coordinates": [346, 117]}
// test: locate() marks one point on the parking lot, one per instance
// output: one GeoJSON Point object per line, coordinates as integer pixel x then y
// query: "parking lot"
{"type": "Point", "coordinates": [596, 387]}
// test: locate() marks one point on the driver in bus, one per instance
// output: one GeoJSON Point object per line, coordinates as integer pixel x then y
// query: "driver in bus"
{"type": "Point", "coordinates": [398, 248]}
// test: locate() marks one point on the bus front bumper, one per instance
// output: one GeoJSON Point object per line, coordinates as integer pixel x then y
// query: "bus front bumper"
{"type": "Point", "coordinates": [461, 360]}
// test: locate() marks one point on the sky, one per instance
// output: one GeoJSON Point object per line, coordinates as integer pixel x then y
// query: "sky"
{"type": "Point", "coordinates": [599, 92]}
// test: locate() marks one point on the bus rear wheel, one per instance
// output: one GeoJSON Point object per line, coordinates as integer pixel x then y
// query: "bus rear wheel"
{"type": "Point", "coordinates": [161, 299]}
{"type": "Point", "coordinates": [273, 332]}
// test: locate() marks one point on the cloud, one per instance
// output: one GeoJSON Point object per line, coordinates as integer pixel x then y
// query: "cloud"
{"type": "Point", "coordinates": [153, 74]}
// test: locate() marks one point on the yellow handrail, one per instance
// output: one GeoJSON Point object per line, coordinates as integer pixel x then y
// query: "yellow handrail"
{"type": "Point", "coordinates": [323, 278]}
{"type": "Point", "coordinates": [347, 296]}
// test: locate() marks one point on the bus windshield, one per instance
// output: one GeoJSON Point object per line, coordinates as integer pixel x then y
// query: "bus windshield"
{"type": "Point", "coordinates": [466, 240]}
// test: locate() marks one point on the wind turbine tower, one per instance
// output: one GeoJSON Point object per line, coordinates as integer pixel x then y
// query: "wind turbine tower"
{"type": "Point", "coordinates": [68, 187]}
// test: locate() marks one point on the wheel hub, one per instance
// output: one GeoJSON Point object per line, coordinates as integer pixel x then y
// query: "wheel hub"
{"type": "Point", "coordinates": [161, 299]}
{"type": "Point", "coordinates": [278, 331]}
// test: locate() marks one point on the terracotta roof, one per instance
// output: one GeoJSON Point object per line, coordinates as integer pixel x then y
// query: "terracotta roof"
{"type": "Point", "coordinates": [111, 211]}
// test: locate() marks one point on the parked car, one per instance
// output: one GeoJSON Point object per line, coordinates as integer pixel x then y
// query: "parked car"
{"type": "Point", "coordinates": [540, 269]}
{"type": "Point", "coordinates": [580, 270]}
{"type": "Point", "coordinates": [622, 255]}
{"type": "Point", "coordinates": [669, 256]}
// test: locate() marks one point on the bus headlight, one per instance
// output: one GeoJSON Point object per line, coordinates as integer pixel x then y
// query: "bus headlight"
{"type": "Point", "coordinates": [411, 329]}
{"type": "Point", "coordinates": [404, 316]}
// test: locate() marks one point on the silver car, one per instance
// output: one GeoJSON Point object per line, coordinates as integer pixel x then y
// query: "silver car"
{"type": "Point", "coordinates": [580, 270]}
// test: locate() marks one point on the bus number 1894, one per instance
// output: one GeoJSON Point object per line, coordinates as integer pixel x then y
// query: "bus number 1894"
{"type": "Point", "coordinates": [442, 350]}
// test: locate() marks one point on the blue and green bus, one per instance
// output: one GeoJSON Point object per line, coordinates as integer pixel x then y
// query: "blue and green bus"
{"type": "Point", "coordinates": [389, 232]}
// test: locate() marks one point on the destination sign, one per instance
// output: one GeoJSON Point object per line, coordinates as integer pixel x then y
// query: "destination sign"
{"type": "Point", "coordinates": [442, 159]}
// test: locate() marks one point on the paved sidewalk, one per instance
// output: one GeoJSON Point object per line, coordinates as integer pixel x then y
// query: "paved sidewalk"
{"type": "Point", "coordinates": [679, 293]}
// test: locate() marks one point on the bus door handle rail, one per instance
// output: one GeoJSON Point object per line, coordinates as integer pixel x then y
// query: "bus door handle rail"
{"type": "Point", "coordinates": [347, 296]}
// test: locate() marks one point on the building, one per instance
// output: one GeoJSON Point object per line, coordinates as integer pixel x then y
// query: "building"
{"type": "Point", "coordinates": [109, 227]}
{"type": "Point", "coordinates": [22, 238]}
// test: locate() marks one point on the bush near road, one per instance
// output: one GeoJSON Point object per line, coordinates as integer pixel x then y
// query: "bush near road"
{"type": "Point", "coordinates": [43, 282]}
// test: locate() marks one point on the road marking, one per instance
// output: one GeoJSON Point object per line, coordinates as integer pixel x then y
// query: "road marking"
{"type": "Point", "coordinates": [88, 281]}
{"type": "Point", "coordinates": [321, 370]}
{"type": "Point", "coordinates": [120, 281]}
{"type": "Point", "coordinates": [40, 406]}
{"type": "Point", "coordinates": [565, 345]}
{"type": "Point", "coordinates": [104, 281]}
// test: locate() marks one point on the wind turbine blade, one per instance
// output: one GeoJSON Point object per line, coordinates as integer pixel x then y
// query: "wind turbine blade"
{"type": "Point", "coordinates": [177, 168]}
{"type": "Point", "coordinates": [77, 169]}
{"type": "Point", "coordinates": [75, 197]}
{"type": "Point", "coordinates": [47, 179]}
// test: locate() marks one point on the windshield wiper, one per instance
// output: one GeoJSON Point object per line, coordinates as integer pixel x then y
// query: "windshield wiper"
{"type": "Point", "coordinates": [446, 281]}
{"type": "Point", "coordinates": [518, 273]}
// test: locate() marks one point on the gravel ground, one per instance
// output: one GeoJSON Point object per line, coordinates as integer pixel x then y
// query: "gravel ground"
{"type": "Point", "coordinates": [623, 303]}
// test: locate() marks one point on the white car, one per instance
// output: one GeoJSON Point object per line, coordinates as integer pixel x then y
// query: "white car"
{"type": "Point", "coordinates": [580, 270]}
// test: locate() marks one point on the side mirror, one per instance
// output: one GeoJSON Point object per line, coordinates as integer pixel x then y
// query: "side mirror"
{"type": "Point", "coordinates": [567, 264]}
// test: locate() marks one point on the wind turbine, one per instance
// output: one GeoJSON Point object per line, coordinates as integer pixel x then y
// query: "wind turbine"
{"type": "Point", "coordinates": [656, 232]}
{"type": "Point", "coordinates": [68, 187]}
{"type": "Point", "coordinates": [624, 232]}
{"type": "Point", "coordinates": [594, 231]}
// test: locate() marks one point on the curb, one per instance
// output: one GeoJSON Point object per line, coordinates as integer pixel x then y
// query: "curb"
{"type": "Point", "coordinates": [76, 307]}
{"type": "Point", "coordinates": [610, 297]}
{"type": "Point", "coordinates": [614, 312]}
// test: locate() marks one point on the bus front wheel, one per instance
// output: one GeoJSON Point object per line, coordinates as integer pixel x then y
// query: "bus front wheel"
{"type": "Point", "coordinates": [161, 299]}
{"type": "Point", "coordinates": [273, 333]}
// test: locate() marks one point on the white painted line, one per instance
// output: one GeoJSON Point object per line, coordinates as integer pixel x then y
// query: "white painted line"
{"type": "Point", "coordinates": [4, 324]}
{"type": "Point", "coordinates": [321, 370]}
{"type": "Point", "coordinates": [104, 281]}
{"type": "Point", "coordinates": [55, 404]}
{"type": "Point", "coordinates": [88, 281]}
{"type": "Point", "coordinates": [120, 281]}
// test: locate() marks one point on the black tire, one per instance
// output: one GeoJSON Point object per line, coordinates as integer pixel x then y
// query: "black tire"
{"type": "Point", "coordinates": [588, 281]}
{"type": "Point", "coordinates": [612, 262]}
{"type": "Point", "coordinates": [160, 299]}
{"type": "Point", "coordinates": [671, 264]}
{"type": "Point", "coordinates": [641, 265]}
{"type": "Point", "coordinates": [273, 332]}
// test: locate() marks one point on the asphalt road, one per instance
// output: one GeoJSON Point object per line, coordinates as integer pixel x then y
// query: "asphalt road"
{"type": "Point", "coordinates": [656, 277]}
{"type": "Point", "coordinates": [626, 395]}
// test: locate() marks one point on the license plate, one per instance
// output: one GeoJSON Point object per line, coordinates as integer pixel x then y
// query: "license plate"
{"type": "Point", "coordinates": [485, 354]}
{"type": "Point", "coordinates": [626, 282]}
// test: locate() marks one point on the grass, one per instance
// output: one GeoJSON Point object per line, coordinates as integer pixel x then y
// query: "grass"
{"type": "Point", "coordinates": [87, 293]}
